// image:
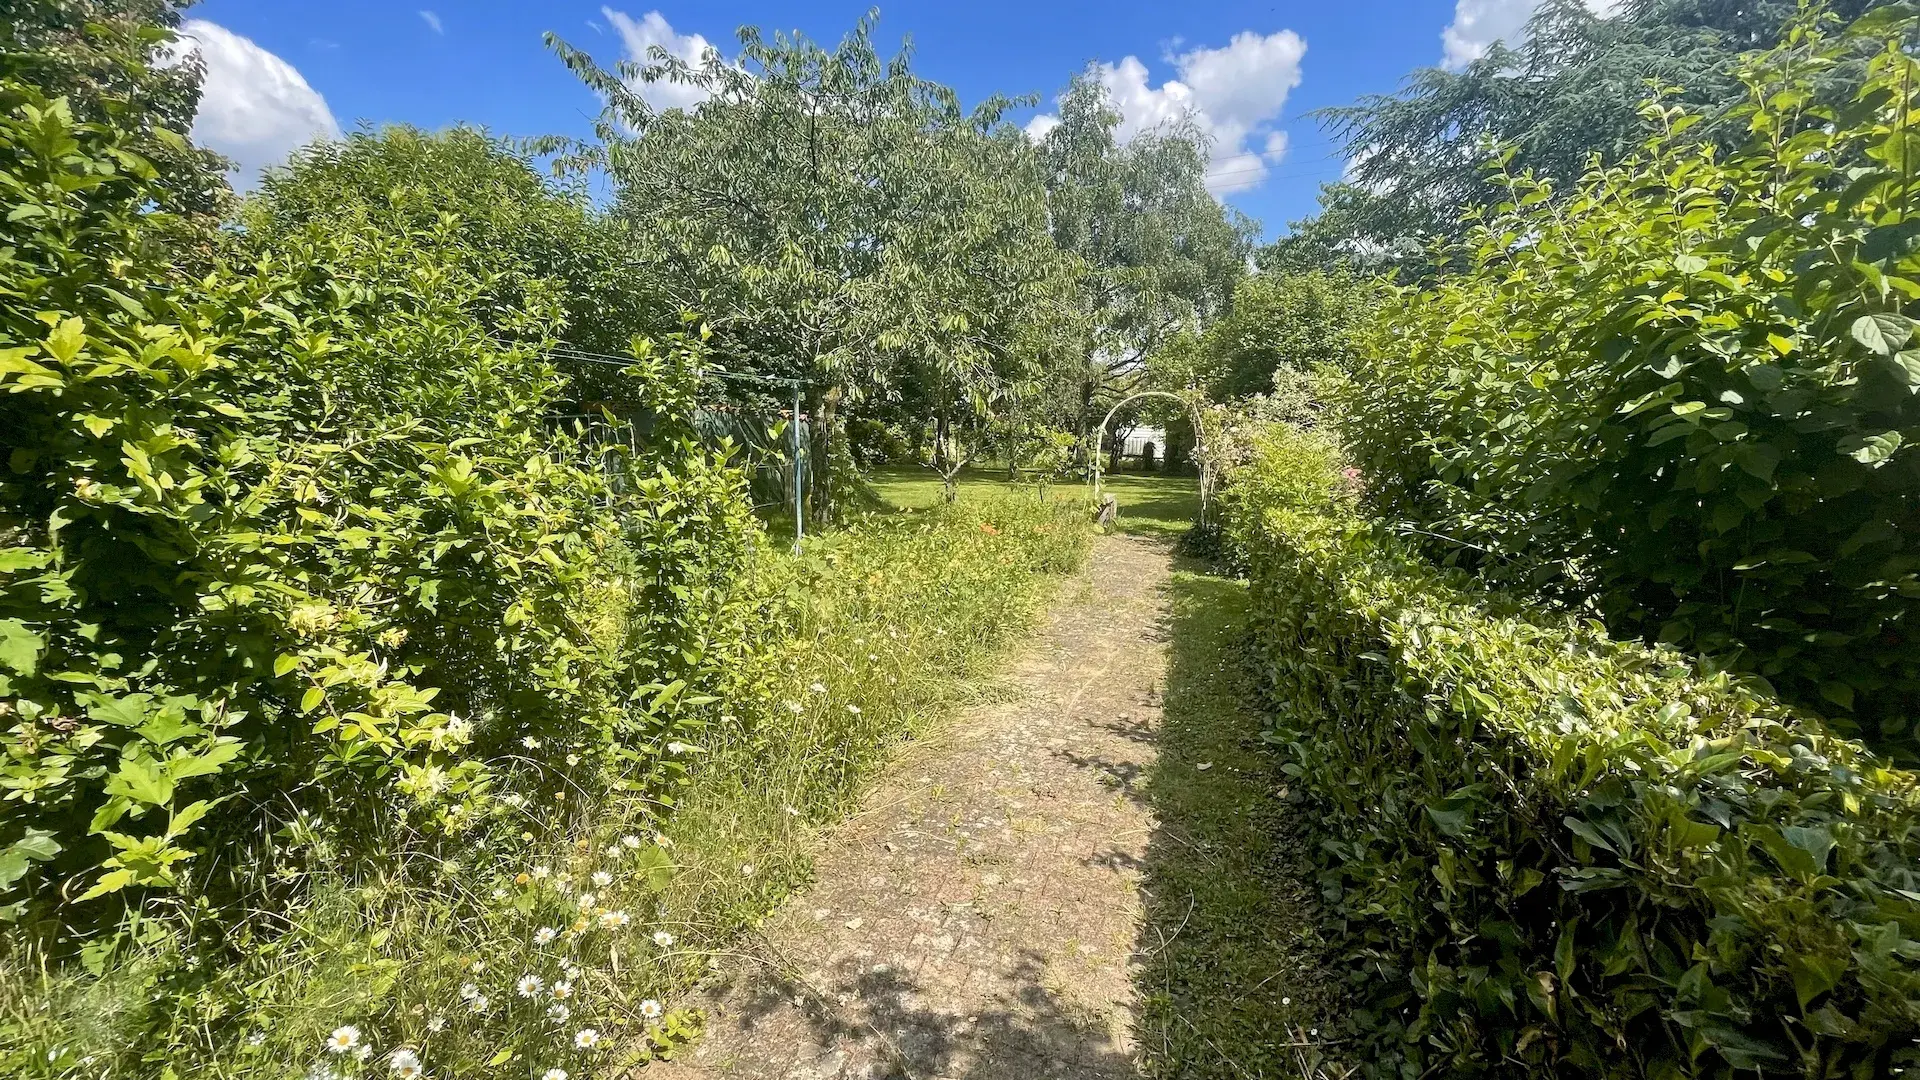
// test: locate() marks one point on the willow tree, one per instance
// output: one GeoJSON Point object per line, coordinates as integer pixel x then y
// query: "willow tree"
{"type": "Point", "coordinates": [827, 211]}
{"type": "Point", "coordinates": [1162, 253]}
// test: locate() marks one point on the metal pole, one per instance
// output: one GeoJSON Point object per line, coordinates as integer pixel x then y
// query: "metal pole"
{"type": "Point", "coordinates": [799, 501]}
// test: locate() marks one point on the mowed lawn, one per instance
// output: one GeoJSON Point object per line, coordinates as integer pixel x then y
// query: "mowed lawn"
{"type": "Point", "coordinates": [1149, 503]}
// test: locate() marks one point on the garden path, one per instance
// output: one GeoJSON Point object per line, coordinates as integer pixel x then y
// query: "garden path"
{"type": "Point", "coordinates": [978, 918]}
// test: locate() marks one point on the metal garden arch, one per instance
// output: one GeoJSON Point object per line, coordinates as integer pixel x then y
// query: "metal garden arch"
{"type": "Point", "coordinates": [1199, 445]}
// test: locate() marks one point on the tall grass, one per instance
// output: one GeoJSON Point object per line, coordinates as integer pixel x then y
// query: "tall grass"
{"type": "Point", "coordinates": [613, 894]}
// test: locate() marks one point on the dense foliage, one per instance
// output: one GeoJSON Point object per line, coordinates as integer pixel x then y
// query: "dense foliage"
{"type": "Point", "coordinates": [351, 683]}
{"type": "Point", "coordinates": [615, 899]}
{"type": "Point", "coordinates": [1554, 854]}
{"type": "Point", "coordinates": [1686, 389]}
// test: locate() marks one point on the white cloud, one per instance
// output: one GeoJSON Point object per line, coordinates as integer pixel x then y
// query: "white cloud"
{"type": "Point", "coordinates": [433, 21]}
{"type": "Point", "coordinates": [1234, 94]}
{"type": "Point", "coordinates": [254, 107]}
{"type": "Point", "coordinates": [639, 36]}
{"type": "Point", "coordinates": [1038, 127]}
{"type": "Point", "coordinates": [1477, 24]}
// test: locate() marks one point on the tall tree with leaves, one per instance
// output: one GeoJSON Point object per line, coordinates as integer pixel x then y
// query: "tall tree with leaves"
{"type": "Point", "coordinates": [1568, 91]}
{"type": "Point", "coordinates": [1162, 254]}
{"type": "Point", "coordinates": [791, 206]}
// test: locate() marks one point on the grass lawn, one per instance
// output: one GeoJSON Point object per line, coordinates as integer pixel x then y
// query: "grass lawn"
{"type": "Point", "coordinates": [1149, 504]}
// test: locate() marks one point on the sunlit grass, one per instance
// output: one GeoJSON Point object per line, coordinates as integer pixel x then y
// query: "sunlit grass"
{"type": "Point", "coordinates": [1150, 503]}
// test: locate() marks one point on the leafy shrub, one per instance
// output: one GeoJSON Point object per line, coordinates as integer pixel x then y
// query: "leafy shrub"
{"type": "Point", "coordinates": [1557, 854]}
{"type": "Point", "coordinates": [1686, 387]}
{"type": "Point", "coordinates": [530, 244]}
{"type": "Point", "coordinates": [299, 534]}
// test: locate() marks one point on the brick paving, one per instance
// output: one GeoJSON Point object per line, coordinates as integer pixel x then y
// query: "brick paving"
{"type": "Point", "coordinates": [976, 920]}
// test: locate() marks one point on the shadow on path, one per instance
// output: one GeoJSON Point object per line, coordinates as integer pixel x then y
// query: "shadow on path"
{"type": "Point", "coordinates": [1229, 977]}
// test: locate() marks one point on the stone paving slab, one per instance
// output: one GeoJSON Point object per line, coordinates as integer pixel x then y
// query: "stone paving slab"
{"type": "Point", "coordinates": [977, 919]}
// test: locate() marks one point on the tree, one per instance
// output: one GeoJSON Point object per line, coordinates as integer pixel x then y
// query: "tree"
{"type": "Point", "coordinates": [1567, 92]}
{"type": "Point", "coordinates": [1292, 321]}
{"type": "Point", "coordinates": [120, 62]}
{"type": "Point", "coordinates": [840, 219]}
{"type": "Point", "coordinates": [1162, 254]}
{"type": "Point", "coordinates": [522, 234]}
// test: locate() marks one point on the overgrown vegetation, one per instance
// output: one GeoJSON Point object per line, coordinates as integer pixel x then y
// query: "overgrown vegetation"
{"type": "Point", "coordinates": [354, 681]}
{"type": "Point", "coordinates": [1685, 389]}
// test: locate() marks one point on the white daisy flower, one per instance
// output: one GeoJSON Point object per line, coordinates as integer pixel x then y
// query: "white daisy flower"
{"type": "Point", "coordinates": [650, 1009]}
{"type": "Point", "coordinates": [818, 688]}
{"type": "Point", "coordinates": [405, 1065]}
{"type": "Point", "coordinates": [539, 873]}
{"type": "Point", "coordinates": [573, 759]}
{"type": "Point", "coordinates": [746, 869]}
{"type": "Point", "coordinates": [499, 894]}
{"type": "Point", "coordinates": [663, 939]}
{"type": "Point", "coordinates": [343, 1039]}
{"type": "Point", "coordinates": [545, 935]}
{"type": "Point", "coordinates": [854, 709]}
{"type": "Point", "coordinates": [554, 1074]}
{"type": "Point", "coordinates": [436, 1024]}
{"type": "Point", "coordinates": [468, 991]}
{"type": "Point", "coordinates": [562, 990]}
{"type": "Point", "coordinates": [530, 743]}
{"type": "Point", "coordinates": [586, 1038]}
{"type": "Point", "coordinates": [586, 901]}
{"type": "Point", "coordinates": [559, 1014]}
{"type": "Point", "coordinates": [529, 985]}
{"type": "Point", "coordinates": [602, 879]}
{"type": "Point", "coordinates": [478, 1004]}
{"type": "Point", "coordinates": [572, 973]}
{"type": "Point", "coordinates": [613, 920]}
{"type": "Point", "coordinates": [796, 708]}
{"type": "Point", "coordinates": [631, 841]}
{"type": "Point", "coordinates": [363, 1052]}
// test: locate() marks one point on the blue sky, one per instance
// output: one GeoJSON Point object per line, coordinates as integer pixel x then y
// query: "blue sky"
{"type": "Point", "coordinates": [281, 71]}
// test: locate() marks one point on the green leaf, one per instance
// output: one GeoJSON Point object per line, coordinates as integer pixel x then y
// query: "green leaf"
{"type": "Point", "coordinates": [1814, 974]}
{"type": "Point", "coordinates": [66, 339]}
{"type": "Point", "coordinates": [1451, 822]}
{"type": "Point", "coordinates": [655, 866]}
{"type": "Point", "coordinates": [20, 647]}
{"type": "Point", "coordinates": [1882, 332]}
{"type": "Point", "coordinates": [1871, 450]}
{"type": "Point", "coordinates": [141, 780]}
{"type": "Point", "coordinates": [111, 882]}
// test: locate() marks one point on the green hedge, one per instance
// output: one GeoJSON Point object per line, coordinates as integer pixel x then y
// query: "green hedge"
{"type": "Point", "coordinates": [1558, 854]}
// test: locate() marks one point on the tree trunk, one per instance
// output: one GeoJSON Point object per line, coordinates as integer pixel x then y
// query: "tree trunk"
{"type": "Point", "coordinates": [823, 409]}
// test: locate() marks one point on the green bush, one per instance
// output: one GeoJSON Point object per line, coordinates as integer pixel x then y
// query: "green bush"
{"type": "Point", "coordinates": [299, 533]}
{"type": "Point", "coordinates": [1558, 854]}
{"type": "Point", "coordinates": [1687, 388]}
